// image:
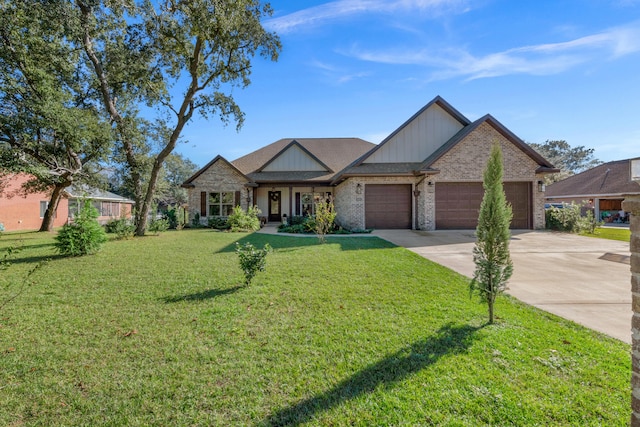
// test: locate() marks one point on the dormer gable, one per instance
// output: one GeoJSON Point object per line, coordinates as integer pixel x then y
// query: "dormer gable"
{"type": "Point", "coordinates": [213, 167]}
{"type": "Point", "coordinates": [294, 157]}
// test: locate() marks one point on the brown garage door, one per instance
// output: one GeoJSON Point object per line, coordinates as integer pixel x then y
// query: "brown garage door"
{"type": "Point", "coordinates": [458, 204]}
{"type": "Point", "coordinates": [519, 195]}
{"type": "Point", "coordinates": [387, 206]}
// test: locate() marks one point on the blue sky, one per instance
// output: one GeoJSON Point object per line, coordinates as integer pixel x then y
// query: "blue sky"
{"type": "Point", "coordinates": [546, 69]}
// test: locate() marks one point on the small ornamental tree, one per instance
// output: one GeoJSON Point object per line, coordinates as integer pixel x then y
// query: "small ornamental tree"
{"type": "Point", "coordinates": [84, 235]}
{"type": "Point", "coordinates": [324, 218]}
{"type": "Point", "coordinates": [252, 260]}
{"type": "Point", "coordinates": [491, 252]}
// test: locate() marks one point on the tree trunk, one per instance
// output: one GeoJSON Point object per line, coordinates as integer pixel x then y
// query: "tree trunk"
{"type": "Point", "coordinates": [490, 313]}
{"type": "Point", "coordinates": [54, 201]}
{"type": "Point", "coordinates": [143, 212]}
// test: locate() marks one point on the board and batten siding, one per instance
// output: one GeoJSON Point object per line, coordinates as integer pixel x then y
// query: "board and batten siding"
{"type": "Point", "coordinates": [293, 159]}
{"type": "Point", "coordinates": [419, 138]}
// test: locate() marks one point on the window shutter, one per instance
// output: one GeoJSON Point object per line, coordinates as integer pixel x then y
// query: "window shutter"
{"type": "Point", "coordinates": [298, 204]}
{"type": "Point", "coordinates": [237, 199]}
{"type": "Point", "coordinates": [203, 203]}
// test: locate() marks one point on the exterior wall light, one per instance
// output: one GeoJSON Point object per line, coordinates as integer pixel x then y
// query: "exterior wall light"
{"type": "Point", "coordinates": [541, 187]}
{"type": "Point", "coordinates": [359, 188]}
{"type": "Point", "coordinates": [430, 186]}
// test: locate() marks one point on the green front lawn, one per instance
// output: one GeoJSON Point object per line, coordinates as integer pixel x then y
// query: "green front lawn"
{"type": "Point", "coordinates": [623, 234]}
{"type": "Point", "coordinates": [159, 331]}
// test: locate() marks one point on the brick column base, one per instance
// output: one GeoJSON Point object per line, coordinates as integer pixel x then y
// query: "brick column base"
{"type": "Point", "coordinates": [632, 204]}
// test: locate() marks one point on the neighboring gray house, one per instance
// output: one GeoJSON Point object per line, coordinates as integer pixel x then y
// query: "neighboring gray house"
{"type": "Point", "coordinates": [109, 205]}
{"type": "Point", "coordinates": [601, 188]}
{"type": "Point", "coordinates": [426, 175]}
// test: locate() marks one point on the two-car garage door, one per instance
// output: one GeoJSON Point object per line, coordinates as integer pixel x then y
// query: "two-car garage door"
{"type": "Point", "coordinates": [458, 204]}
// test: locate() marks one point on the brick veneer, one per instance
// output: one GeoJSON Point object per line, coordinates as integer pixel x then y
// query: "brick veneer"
{"type": "Point", "coordinates": [218, 177]}
{"type": "Point", "coordinates": [350, 205]}
{"type": "Point", "coordinates": [22, 212]}
{"type": "Point", "coordinates": [464, 162]}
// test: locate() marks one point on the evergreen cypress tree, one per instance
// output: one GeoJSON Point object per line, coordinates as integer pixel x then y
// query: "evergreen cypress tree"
{"type": "Point", "coordinates": [491, 253]}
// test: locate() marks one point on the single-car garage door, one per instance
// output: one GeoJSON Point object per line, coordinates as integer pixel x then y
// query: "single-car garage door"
{"type": "Point", "coordinates": [458, 204]}
{"type": "Point", "coordinates": [387, 206]}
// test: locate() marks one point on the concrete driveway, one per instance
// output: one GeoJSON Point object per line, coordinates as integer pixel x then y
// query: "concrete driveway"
{"type": "Point", "coordinates": [579, 278]}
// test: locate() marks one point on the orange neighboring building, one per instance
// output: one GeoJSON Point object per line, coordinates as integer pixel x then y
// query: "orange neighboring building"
{"type": "Point", "coordinates": [25, 212]}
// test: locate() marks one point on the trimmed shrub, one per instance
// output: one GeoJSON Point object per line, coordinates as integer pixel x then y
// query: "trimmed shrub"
{"type": "Point", "coordinates": [158, 225]}
{"type": "Point", "coordinates": [297, 219]}
{"type": "Point", "coordinates": [240, 220]}
{"type": "Point", "coordinates": [177, 217]}
{"type": "Point", "coordinates": [569, 218]}
{"type": "Point", "coordinates": [82, 237]}
{"type": "Point", "coordinates": [195, 221]}
{"type": "Point", "coordinates": [218, 223]}
{"type": "Point", "coordinates": [121, 227]}
{"type": "Point", "coordinates": [297, 229]}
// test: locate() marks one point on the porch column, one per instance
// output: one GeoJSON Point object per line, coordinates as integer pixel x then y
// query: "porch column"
{"type": "Point", "coordinates": [632, 204]}
{"type": "Point", "coordinates": [290, 202]}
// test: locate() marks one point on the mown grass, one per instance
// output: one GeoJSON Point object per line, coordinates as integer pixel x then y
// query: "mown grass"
{"type": "Point", "coordinates": [622, 234]}
{"type": "Point", "coordinates": [159, 331]}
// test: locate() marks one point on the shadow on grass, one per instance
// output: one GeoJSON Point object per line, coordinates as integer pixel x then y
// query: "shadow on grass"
{"type": "Point", "coordinates": [36, 259]}
{"type": "Point", "coordinates": [448, 340]}
{"type": "Point", "coordinates": [283, 243]}
{"type": "Point", "coordinates": [201, 296]}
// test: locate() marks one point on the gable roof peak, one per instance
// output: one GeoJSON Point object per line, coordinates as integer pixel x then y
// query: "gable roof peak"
{"type": "Point", "coordinates": [295, 143]}
{"type": "Point", "coordinates": [544, 165]}
{"type": "Point", "coordinates": [189, 182]}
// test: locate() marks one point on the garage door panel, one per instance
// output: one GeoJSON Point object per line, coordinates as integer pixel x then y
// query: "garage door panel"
{"type": "Point", "coordinates": [388, 206]}
{"type": "Point", "coordinates": [458, 204]}
{"type": "Point", "coordinates": [519, 196]}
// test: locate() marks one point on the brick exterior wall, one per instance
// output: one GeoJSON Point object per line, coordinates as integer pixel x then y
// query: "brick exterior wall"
{"type": "Point", "coordinates": [350, 205]}
{"type": "Point", "coordinates": [18, 212]}
{"type": "Point", "coordinates": [466, 162]}
{"type": "Point", "coordinates": [218, 177]}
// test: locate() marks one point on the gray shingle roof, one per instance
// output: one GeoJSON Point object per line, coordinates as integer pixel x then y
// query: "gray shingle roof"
{"type": "Point", "coordinates": [404, 168]}
{"type": "Point", "coordinates": [335, 153]}
{"type": "Point", "coordinates": [610, 178]}
{"type": "Point", "coordinates": [83, 191]}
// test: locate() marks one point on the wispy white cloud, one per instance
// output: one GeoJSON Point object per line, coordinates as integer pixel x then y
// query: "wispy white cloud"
{"type": "Point", "coordinates": [328, 12]}
{"type": "Point", "coordinates": [337, 75]}
{"type": "Point", "coordinates": [542, 59]}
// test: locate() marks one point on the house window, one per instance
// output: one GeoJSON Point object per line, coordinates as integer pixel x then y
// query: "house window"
{"type": "Point", "coordinates": [105, 209]}
{"type": "Point", "coordinates": [221, 203]}
{"type": "Point", "coordinates": [309, 200]}
{"type": "Point", "coordinates": [74, 208]}
{"type": "Point", "coordinates": [306, 204]}
{"type": "Point", "coordinates": [43, 208]}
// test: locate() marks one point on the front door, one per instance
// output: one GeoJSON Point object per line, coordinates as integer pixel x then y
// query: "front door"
{"type": "Point", "coordinates": [274, 206]}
